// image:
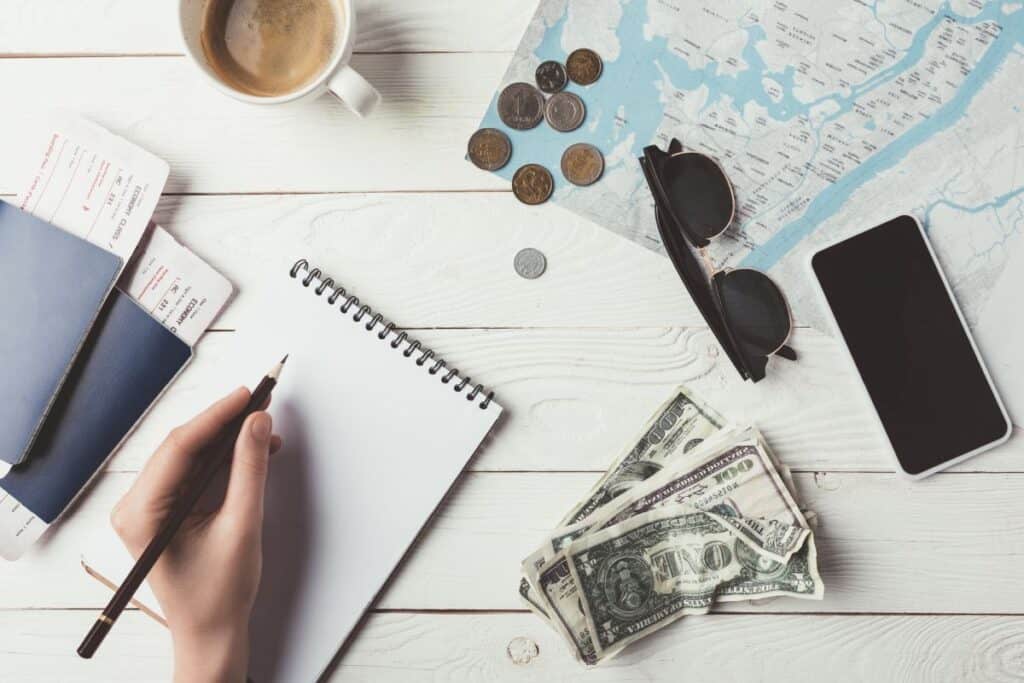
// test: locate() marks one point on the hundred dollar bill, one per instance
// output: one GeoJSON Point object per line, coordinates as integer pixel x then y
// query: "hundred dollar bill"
{"type": "Point", "coordinates": [678, 426]}
{"type": "Point", "coordinates": [732, 475]}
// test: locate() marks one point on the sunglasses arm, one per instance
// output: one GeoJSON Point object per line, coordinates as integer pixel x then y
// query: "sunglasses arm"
{"type": "Point", "coordinates": [786, 352]}
{"type": "Point", "coordinates": [695, 280]}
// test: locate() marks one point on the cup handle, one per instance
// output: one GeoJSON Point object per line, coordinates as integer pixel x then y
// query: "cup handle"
{"type": "Point", "coordinates": [354, 90]}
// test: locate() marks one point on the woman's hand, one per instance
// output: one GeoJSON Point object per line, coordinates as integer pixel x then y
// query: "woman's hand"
{"type": "Point", "coordinates": [206, 580]}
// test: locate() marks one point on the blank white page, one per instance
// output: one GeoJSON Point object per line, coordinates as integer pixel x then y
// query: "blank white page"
{"type": "Point", "coordinates": [372, 443]}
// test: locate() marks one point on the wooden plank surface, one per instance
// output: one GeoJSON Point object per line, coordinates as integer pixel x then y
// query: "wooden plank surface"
{"type": "Point", "coordinates": [579, 359]}
{"type": "Point", "coordinates": [444, 648]}
{"type": "Point", "coordinates": [575, 398]}
{"type": "Point", "coordinates": [415, 141]}
{"type": "Point", "coordinates": [435, 260]}
{"type": "Point", "coordinates": [122, 27]}
{"type": "Point", "coordinates": [886, 545]}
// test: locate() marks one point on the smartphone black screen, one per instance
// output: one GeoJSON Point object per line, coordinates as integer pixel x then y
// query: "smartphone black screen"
{"type": "Point", "coordinates": [909, 345]}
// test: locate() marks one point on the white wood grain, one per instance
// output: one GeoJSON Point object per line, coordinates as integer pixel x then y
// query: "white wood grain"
{"type": "Point", "coordinates": [600, 340]}
{"type": "Point", "coordinates": [415, 141]}
{"type": "Point", "coordinates": [886, 545]}
{"type": "Point", "coordinates": [575, 398]}
{"type": "Point", "coordinates": [435, 260]}
{"type": "Point", "coordinates": [399, 647]}
{"type": "Point", "coordinates": [39, 646]}
{"type": "Point", "coordinates": [117, 27]}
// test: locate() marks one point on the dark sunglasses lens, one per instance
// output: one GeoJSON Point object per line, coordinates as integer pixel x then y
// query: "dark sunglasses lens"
{"type": "Point", "coordinates": [755, 309]}
{"type": "Point", "coordinates": [699, 193]}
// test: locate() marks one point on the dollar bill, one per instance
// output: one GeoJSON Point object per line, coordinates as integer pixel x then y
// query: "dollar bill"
{"type": "Point", "coordinates": [527, 594]}
{"type": "Point", "coordinates": [559, 588]}
{"type": "Point", "coordinates": [678, 426]}
{"type": "Point", "coordinates": [636, 578]}
{"type": "Point", "coordinates": [639, 576]}
{"type": "Point", "coordinates": [731, 474]}
{"type": "Point", "coordinates": [761, 577]}
{"type": "Point", "coordinates": [709, 510]}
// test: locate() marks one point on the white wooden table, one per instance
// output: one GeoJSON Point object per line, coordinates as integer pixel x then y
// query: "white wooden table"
{"type": "Point", "coordinates": [923, 580]}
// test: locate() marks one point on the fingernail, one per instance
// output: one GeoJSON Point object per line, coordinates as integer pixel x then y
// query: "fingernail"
{"type": "Point", "coordinates": [261, 426]}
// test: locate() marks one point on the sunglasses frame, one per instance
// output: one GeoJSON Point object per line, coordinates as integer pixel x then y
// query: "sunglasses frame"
{"type": "Point", "coordinates": [705, 289]}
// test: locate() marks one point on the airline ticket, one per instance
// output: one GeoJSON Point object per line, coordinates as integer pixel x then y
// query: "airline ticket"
{"type": "Point", "coordinates": [104, 189]}
{"type": "Point", "coordinates": [94, 184]}
{"type": "Point", "coordinates": [177, 287]}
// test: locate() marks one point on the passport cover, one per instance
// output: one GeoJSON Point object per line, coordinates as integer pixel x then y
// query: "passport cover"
{"type": "Point", "coordinates": [126, 363]}
{"type": "Point", "coordinates": [54, 286]}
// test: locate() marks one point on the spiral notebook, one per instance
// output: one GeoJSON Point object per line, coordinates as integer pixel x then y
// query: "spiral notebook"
{"type": "Point", "coordinates": [376, 430]}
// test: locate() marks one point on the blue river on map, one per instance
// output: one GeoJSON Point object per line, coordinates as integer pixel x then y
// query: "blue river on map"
{"type": "Point", "coordinates": [641, 68]}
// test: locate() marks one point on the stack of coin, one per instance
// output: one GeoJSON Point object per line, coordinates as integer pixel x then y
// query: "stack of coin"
{"type": "Point", "coordinates": [522, 106]}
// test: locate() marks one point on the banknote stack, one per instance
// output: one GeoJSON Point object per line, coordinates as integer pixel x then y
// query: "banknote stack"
{"type": "Point", "coordinates": [695, 512]}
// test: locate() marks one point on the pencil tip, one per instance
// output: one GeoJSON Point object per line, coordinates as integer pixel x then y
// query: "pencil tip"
{"type": "Point", "coordinates": [285, 358]}
{"type": "Point", "coordinates": [276, 372]}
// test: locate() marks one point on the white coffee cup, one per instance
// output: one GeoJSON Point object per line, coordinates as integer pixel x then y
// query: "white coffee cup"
{"type": "Point", "coordinates": [336, 77]}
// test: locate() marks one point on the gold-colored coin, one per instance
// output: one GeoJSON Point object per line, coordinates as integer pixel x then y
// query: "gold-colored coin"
{"type": "Point", "coordinates": [584, 66]}
{"type": "Point", "coordinates": [489, 149]}
{"type": "Point", "coordinates": [532, 184]}
{"type": "Point", "coordinates": [582, 164]}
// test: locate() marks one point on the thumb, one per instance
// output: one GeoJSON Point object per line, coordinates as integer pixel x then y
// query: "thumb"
{"type": "Point", "coordinates": [248, 478]}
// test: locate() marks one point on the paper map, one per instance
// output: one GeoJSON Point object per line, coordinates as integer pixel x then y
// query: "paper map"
{"type": "Point", "coordinates": [829, 116]}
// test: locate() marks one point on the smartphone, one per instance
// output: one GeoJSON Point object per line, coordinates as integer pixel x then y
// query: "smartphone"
{"type": "Point", "coordinates": [895, 312]}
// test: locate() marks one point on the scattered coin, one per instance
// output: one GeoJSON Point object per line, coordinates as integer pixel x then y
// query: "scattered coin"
{"type": "Point", "coordinates": [551, 76]}
{"type": "Point", "coordinates": [521, 106]}
{"type": "Point", "coordinates": [582, 164]}
{"type": "Point", "coordinates": [565, 112]}
{"type": "Point", "coordinates": [532, 184]}
{"type": "Point", "coordinates": [584, 66]}
{"type": "Point", "coordinates": [530, 263]}
{"type": "Point", "coordinates": [489, 149]}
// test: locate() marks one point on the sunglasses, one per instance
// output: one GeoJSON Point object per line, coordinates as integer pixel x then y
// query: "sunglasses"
{"type": "Point", "coordinates": [694, 203]}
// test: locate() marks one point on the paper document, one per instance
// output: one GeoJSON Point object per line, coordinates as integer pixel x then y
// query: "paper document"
{"type": "Point", "coordinates": [177, 287]}
{"type": "Point", "coordinates": [94, 184]}
{"type": "Point", "coordinates": [19, 526]}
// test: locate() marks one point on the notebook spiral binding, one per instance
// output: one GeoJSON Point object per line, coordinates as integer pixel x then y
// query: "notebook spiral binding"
{"type": "Point", "coordinates": [363, 310]}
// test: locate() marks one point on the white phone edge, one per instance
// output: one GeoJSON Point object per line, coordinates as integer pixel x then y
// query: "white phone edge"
{"type": "Point", "coordinates": [820, 293]}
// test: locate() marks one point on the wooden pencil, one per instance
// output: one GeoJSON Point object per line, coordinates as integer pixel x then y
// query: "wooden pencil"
{"type": "Point", "coordinates": [216, 455]}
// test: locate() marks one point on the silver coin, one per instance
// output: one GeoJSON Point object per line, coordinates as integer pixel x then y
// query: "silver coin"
{"type": "Point", "coordinates": [530, 263]}
{"type": "Point", "coordinates": [551, 76]}
{"type": "Point", "coordinates": [521, 106]}
{"type": "Point", "coordinates": [565, 112]}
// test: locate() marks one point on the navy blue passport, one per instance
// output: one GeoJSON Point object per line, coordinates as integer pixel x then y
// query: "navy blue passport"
{"type": "Point", "coordinates": [125, 364]}
{"type": "Point", "coordinates": [54, 286]}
